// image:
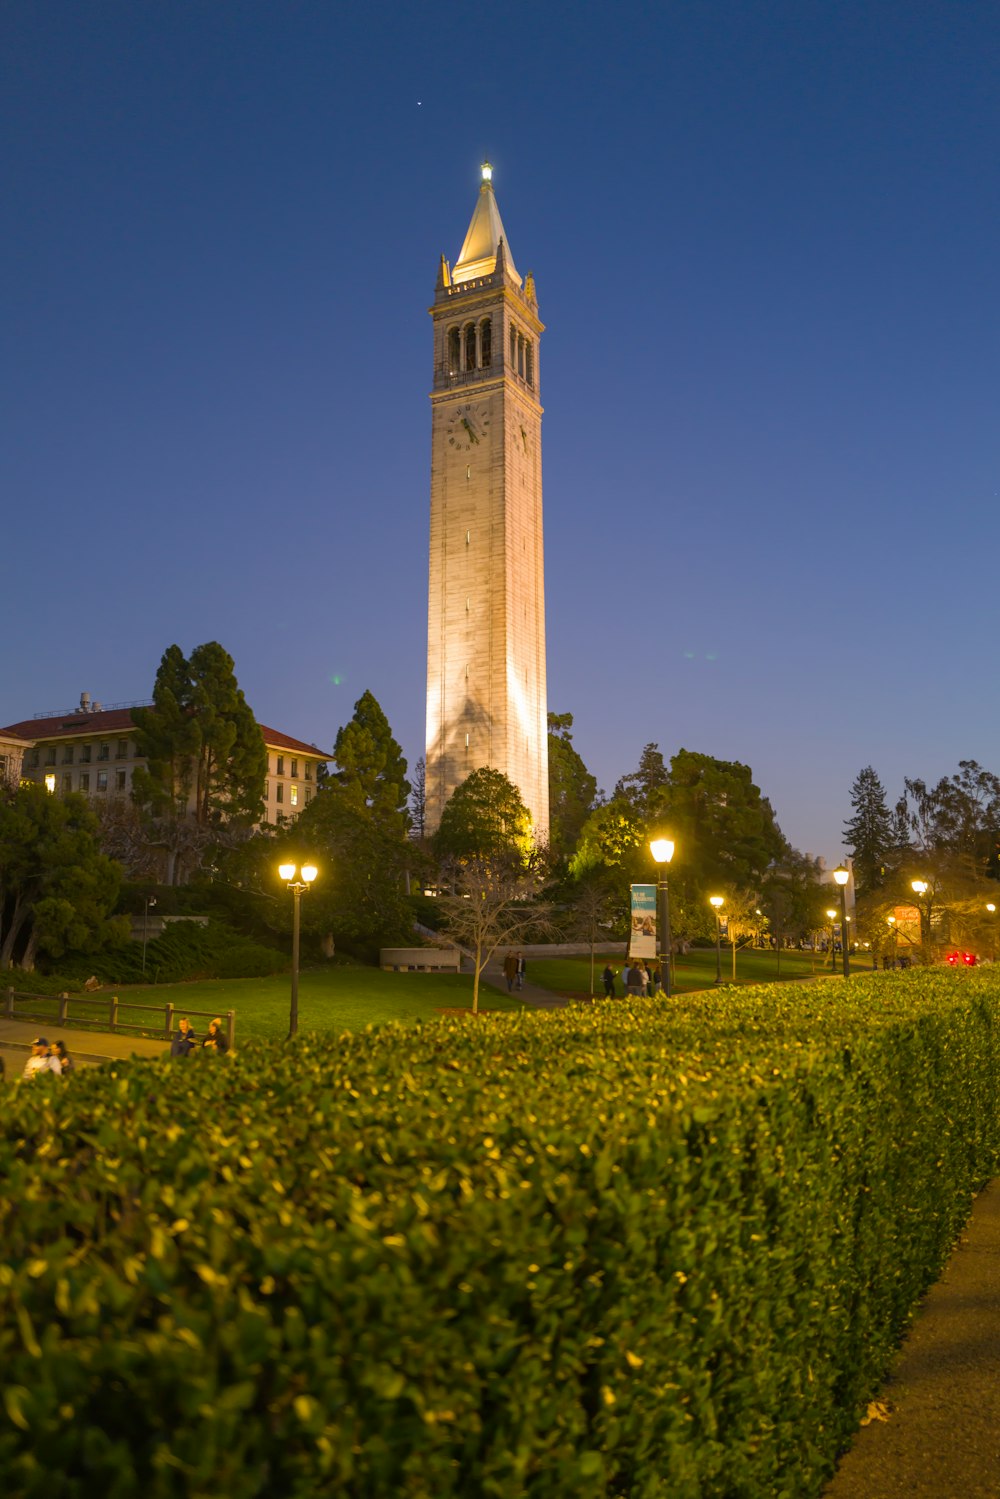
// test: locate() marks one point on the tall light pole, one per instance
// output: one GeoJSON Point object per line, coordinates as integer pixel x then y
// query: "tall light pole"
{"type": "Point", "coordinates": [919, 888]}
{"type": "Point", "coordinates": [891, 921]}
{"type": "Point", "coordinates": [149, 901]}
{"type": "Point", "coordinates": [662, 850]}
{"type": "Point", "coordinates": [832, 917]}
{"type": "Point", "coordinates": [716, 902]}
{"type": "Point", "coordinates": [297, 878]}
{"type": "Point", "coordinates": [842, 875]}
{"type": "Point", "coordinates": [993, 944]}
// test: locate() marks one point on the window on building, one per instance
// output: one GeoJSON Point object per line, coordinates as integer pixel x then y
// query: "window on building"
{"type": "Point", "coordinates": [281, 765]}
{"type": "Point", "coordinates": [309, 794]}
{"type": "Point", "coordinates": [50, 755]}
{"type": "Point", "coordinates": [84, 780]}
{"type": "Point", "coordinates": [67, 754]}
{"type": "Point", "coordinates": [279, 793]}
{"type": "Point", "coordinates": [453, 357]}
{"type": "Point", "coordinates": [104, 752]}
{"type": "Point", "coordinates": [293, 795]}
{"type": "Point", "coordinates": [485, 343]}
{"type": "Point", "coordinates": [122, 751]}
{"type": "Point", "coordinates": [513, 348]}
{"type": "Point", "coordinates": [67, 784]}
{"type": "Point", "coordinates": [470, 346]}
{"type": "Point", "coordinates": [34, 759]}
{"type": "Point", "coordinates": [86, 750]}
{"type": "Point", "coordinates": [121, 776]}
{"type": "Point", "coordinates": [102, 780]}
{"type": "Point", "coordinates": [529, 362]}
{"type": "Point", "coordinates": [280, 818]}
{"type": "Point", "coordinates": [309, 771]}
{"type": "Point", "coordinates": [295, 767]}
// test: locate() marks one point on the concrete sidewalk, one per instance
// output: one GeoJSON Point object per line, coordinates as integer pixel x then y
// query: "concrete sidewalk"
{"type": "Point", "coordinates": [88, 1046]}
{"type": "Point", "coordinates": [940, 1438]}
{"type": "Point", "coordinates": [533, 995]}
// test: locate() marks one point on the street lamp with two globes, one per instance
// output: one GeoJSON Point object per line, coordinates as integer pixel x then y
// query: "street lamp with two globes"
{"type": "Point", "coordinates": [298, 877]}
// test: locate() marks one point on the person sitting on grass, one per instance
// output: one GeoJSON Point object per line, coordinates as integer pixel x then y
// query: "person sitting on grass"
{"type": "Point", "coordinates": [185, 1040]}
{"type": "Point", "coordinates": [216, 1038]}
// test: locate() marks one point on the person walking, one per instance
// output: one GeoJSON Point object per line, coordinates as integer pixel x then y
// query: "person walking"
{"type": "Point", "coordinates": [643, 978]}
{"type": "Point", "coordinates": [522, 969]}
{"type": "Point", "coordinates": [510, 970]}
{"type": "Point", "coordinates": [608, 977]}
{"type": "Point", "coordinates": [655, 980]}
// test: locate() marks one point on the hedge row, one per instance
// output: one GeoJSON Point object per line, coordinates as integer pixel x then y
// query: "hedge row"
{"type": "Point", "coordinates": [635, 1250]}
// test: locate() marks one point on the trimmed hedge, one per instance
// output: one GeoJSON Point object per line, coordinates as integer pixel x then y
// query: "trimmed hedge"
{"type": "Point", "coordinates": [644, 1249]}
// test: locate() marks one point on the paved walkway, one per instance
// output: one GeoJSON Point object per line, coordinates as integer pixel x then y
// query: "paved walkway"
{"type": "Point", "coordinates": [941, 1435]}
{"type": "Point", "coordinates": [532, 994]}
{"type": "Point", "coordinates": [85, 1046]}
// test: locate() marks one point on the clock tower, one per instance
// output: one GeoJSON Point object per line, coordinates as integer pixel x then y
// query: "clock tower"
{"type": "Point", "coordinates": [486, 703]}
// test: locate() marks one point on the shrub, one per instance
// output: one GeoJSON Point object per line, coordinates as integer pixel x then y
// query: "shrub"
{"type": "Point", "coordinates": [615, 1250]}
{"type": "Point", "coordinates": [185, 950]}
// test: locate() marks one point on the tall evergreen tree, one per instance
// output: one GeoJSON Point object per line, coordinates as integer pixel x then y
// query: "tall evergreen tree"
{"type": "Point", "coordinates": [572, 788]}
{"type": "Point", "coordinates": [869, 833]}
{"type": "Point", "coordinates": [642, 786]}
{"type": "Point", "coordinates": [485, 818]}
{"type": "Point", "coordinates": [370, 765]}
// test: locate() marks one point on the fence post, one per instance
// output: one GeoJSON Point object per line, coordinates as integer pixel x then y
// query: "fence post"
{"type": "Point", "coordinates": [9, 1011]}
{"type": "Point", "coordinates": [114, 1012]}
{"type": "Point", "coordinates": [63, 1007]}
{"type": "Point", "coordinates": [231, 1028]}
{"type": "Point", "coordinates": [170, 1019]}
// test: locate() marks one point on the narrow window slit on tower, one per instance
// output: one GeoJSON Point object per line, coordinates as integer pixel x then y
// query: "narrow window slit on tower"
{"type": "Point", "coordinates": [468, 537]}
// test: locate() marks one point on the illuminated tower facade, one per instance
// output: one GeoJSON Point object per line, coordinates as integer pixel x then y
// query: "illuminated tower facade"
{"type": "Point", "coordinates": [486, 703]}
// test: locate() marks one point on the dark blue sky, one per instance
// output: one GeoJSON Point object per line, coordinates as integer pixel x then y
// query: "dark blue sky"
{"type": "Point", "coordinates": [765, 239]}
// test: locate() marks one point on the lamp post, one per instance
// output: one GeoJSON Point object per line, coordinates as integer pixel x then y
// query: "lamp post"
{"type": "Point", "coordinates": [662, 850]}
{"type": "Point", "coordinates": [716, 901]}
{"type": "Point", "coordinates": [993, 945]}
{"type": "Point", "coordinates": [842, 875]}
{"type": "Point", "coordinates": [832, 917]}
{"type": "Point", "coordinates": [149, 901]}
{"type": "Point", "coordinates": [891, 920]}
{"type": "Point", "coordinates": [297, 878]}
{"type": "Point", "coordinates": [919, 888]}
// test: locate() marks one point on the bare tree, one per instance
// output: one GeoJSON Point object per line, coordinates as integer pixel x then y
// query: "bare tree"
{"type": "Point", "coordinates": [492, 905]}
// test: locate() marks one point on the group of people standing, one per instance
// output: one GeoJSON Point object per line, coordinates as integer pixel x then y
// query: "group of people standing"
{"type": "Point", "coordinates": [637, 980]}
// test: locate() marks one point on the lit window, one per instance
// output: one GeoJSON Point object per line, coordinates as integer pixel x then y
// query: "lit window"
{"type": "Point", "coordinates": [294, 795]}
{"type": "Point", "coordinates": [50, 783]}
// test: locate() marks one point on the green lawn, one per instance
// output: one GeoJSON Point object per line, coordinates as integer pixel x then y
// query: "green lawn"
{"type": "Point", "coordinates": [335, 998]}
{"type": "Point", "coordinates": [693, 970]}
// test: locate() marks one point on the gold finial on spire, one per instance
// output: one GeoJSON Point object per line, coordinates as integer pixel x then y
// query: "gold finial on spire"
{"type": "Point", "coordinates": [487, 172]}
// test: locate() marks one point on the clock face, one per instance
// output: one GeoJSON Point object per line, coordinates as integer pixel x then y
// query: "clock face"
{"type": "Point", "coordinates": [468, 426]}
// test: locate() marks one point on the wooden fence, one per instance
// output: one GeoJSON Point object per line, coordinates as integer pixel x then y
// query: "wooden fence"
{"type": "Point", "coordinates": [108, 1018]}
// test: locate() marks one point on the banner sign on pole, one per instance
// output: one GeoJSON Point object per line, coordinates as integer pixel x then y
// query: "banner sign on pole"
{"type": "Point", "coordinates": [642, 935]}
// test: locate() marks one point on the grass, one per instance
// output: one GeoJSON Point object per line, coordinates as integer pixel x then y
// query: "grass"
{"type": "Point", "coordinates": [335, 998]}
{"type": "Point", "coordinates": [692, 971]}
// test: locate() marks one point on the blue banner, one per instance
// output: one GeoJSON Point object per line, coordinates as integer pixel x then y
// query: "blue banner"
{"type": "Point", "coordinates": [642, 934]}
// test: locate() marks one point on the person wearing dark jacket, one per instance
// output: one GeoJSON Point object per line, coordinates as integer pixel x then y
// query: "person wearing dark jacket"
{"type": "Point", "coordinates": [216, 1038]}
{"type": "Point", "coordinates": [185, 1040]}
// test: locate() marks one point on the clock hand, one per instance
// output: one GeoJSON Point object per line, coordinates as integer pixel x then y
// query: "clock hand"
{"type": "Point", "coordinates": [468, 427]}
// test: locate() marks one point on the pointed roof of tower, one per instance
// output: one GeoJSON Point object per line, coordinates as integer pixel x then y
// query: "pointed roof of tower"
{"type": "Point", "coordinates": [478, 256]}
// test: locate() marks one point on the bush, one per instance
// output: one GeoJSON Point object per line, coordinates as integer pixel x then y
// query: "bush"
{"type": "Point", "coordinates": [614, 1250]}
{"type": "Point", "coordinates": [186, 950]}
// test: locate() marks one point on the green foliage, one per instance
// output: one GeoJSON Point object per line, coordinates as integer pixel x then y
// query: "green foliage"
{"type": "Point", "coordinates": [371, 770]}
{"type": "Point", "coordinates": [869, 832]}
{"type": "Point", "coordinates": [546, 1254]}
{"type": "Point", "coordinates": [571, 788]}
{"type": "Point", "coordinates": [485, 818]}
{"type": "Point", "coordinates": [206, 758]}
{"type": "Point", "coordinates": [185, 950]}
{"type": "Point", "coordinates": [57, 890]}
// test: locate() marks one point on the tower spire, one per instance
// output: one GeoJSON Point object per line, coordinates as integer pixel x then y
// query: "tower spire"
{"type": "Point", "coordinates": [478, 256]}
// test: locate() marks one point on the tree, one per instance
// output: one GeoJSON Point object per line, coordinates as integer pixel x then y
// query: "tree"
{"type": "Point", "coordinates": [572, 788]}
{"type": "Point", "coordinates": [594, 911]}
{"type": "Point", "coordinates": [205, 755]}
{"type": "Point", "coordinates": [869, 833]}
{"type": "Point", "coordinates": [493, 904]}
{"type": "Point", "coordinates": [370, 765]}
{"type": "Point", "coordinates": [611, 837]}
{"type": "Point", "coordinates": [57, 889]}
{"type": "Point", "coordinates": [642, 786]}
{"type": "Point", "coordinates": [485, 818]}
{"type": "Point", "coordinates": [418, 800]}
{"type": "Point", "coordinates": [792, 897]}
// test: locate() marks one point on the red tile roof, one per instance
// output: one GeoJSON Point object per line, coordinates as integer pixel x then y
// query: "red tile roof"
{"type": "Point", "coordinates": [119, 721]}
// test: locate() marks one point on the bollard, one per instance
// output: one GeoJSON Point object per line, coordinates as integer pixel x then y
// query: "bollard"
{"type": "Point", "coordinates": [114, 1012]}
